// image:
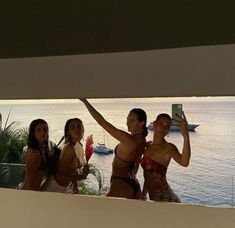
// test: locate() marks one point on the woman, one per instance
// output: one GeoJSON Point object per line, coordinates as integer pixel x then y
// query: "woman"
{"type": "Point", "coordinates": [127, 153]}
{"type": "Point", "coordinates": [157, 157]}
{"type": "Point", "coordinates": [38, 150]}
{"type": "Point", "coordinates": [71, 159]}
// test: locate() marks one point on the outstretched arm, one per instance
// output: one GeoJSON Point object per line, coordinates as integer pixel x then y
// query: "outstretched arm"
{"type": "Point", "coordinates": [184, 158]}
{"type": "Point", "coordinates": [120, 135]}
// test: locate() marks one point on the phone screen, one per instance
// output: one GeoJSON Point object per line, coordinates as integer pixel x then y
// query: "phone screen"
{"type": "Point", "coordinates": [176, 109]}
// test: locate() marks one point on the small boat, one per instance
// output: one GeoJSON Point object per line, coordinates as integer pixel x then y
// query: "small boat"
{"type": "Point", "coordinates": [175, 128]}
{"type": "Point", "coordinates": [191, 127]}
{"type": "Point", "coordinates": [102, 149]}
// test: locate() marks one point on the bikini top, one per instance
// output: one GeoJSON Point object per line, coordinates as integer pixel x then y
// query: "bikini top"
{"type": "Point", "coordinates": [157, 171]}
{"type": "Point", "coordinates": [131, 164]}
{"type": "Point", "coordinates": [122, 167]}
{"type": "Point", "coordinates": [151, 165]}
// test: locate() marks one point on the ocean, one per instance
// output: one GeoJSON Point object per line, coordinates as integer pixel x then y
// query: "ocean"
{"type": "Point", "coordinates": [208, 180]}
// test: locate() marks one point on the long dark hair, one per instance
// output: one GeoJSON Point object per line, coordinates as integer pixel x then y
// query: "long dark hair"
{"type": "Point", "coordinates": [66, 129]}
{"type": "Point", "coordinates": [141, 116]}
{"type": "Point", "coordinates": [32, 141]}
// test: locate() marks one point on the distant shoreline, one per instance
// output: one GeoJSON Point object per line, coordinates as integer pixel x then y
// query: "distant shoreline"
{"type": "Point", "coordinates": [111, 100]}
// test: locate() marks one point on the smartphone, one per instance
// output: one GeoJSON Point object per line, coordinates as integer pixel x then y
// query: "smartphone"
{"type": "Point", "coordinates": [176, 109]}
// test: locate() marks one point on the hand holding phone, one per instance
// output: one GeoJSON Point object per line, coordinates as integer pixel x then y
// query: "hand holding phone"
{"type": "Point", "coordinates": [177, 111]}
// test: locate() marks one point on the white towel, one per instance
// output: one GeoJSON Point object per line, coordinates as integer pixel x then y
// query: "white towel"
{"type": "Point", "coordinates": [79, 151]}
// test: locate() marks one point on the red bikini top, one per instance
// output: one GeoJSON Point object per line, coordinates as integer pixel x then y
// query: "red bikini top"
{"type": "Point", "coordinates": [151, 165]}
{"type": "Point", "coordinates": [157, 170]}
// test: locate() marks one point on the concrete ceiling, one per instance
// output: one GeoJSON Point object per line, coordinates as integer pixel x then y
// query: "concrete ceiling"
{"type": "Point", "coordinates": [51, 28]}
{"type": "Point", "coordinates": [77, 48]}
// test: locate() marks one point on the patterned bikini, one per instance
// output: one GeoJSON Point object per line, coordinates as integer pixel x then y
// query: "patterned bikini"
{"type": "Point", "coordinates": [161, 190]}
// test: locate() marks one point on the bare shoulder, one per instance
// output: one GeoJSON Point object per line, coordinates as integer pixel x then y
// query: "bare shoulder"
{"type": "Point", "coordinates": [68, 150]}
{"type": "Point", "coordinates": [32, 154]}
{"type": "Point", "coordinates": [33, 159]}
{"type": "Point", "coordinates": [68, 146]}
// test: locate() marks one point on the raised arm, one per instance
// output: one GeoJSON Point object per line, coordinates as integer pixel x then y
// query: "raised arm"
{"type": "Point", "coordinates": [118, 134]}
{"type": "Point", "coordinates": [184, 158]}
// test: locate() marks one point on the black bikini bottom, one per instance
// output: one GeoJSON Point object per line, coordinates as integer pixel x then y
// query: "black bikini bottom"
{"type": "Point", "coordinates": [133, 182]}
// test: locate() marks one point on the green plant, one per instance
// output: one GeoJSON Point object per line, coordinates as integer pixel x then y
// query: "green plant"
{"type": "Point", "coordinates": [12, 141]}
{"type": "Point", "coordinates": [86, 187]}
{"type": "Point", "coordinates": [11, 174]}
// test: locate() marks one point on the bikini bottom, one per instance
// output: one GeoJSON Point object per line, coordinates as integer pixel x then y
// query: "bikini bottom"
{"type": "Point", "coordinates": [133, 182]}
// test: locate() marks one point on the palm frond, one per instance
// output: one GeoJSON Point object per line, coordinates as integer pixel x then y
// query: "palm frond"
{"type": "Point", "coordinates": [97, 174]}
{"type": "Point", "coordinates": [85, 186]}
{"type": "Point", "coordinates": [5, 137]}
{"type": "Point", "coordinates": [11, 127]}
{"type": "Point", "coordinates": [11, 144]}
{"type": "Point", "coordinates": [0, 121]}
{"type": "Point", "coordinates": [3, 151]}
{"type": "Point", "coordinates": [7, 118]}
{"type": "Point", "coordinates": [86, 189]}
{"type": "Point", "coordinates": [22, 133]}
{"type": "Point", "coordinates": [11, 175]}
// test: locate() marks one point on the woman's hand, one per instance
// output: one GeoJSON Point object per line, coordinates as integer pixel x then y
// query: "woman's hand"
{"type": "Point", "coordinates": [85, 171]}
{"type": "Point", "coordinates": [82, 99]}
{"type": "Point", "coordinates": [182, 123]}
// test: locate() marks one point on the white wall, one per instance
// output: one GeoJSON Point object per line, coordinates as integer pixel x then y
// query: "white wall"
{"type": "Point", "coordinates": [198, 71]}
{"type": "Point", "coordinates": [54, 210]}
{"type": "Point", "coordinates": [195, 71]}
